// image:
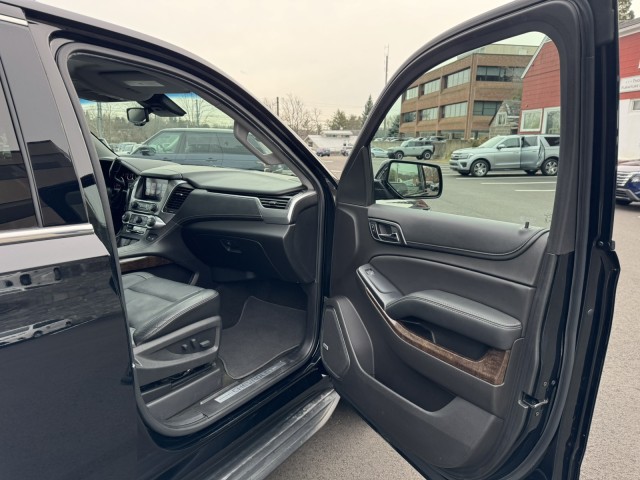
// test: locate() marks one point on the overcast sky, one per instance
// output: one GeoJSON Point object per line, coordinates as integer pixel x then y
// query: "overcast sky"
{"type": "Point", "coordinates": [330, 53]}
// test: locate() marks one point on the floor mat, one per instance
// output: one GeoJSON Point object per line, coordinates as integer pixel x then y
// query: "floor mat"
{"type": "Point", "coordinates": [264, 332]}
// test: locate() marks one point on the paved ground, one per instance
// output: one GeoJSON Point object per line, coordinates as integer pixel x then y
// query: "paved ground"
{"type": "Point", "coordinates": [347, 448]}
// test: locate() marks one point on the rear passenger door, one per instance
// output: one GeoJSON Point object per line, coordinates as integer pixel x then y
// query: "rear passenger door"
{"type": "Point", "coordinates": [63, 338]}
{"type": "Point", "coordinates": [531, 153]}
{"type": "Point", "coordinates": [470, 329]}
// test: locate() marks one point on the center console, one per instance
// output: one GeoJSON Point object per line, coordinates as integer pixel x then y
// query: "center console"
{"type": "Point", "coordinates": [144, 216]}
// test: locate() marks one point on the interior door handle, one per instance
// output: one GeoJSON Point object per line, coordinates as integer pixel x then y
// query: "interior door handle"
{"type": "Point", "coordinates": [389, 237]}
{"type": "Point", "coordinates": [385, 231]}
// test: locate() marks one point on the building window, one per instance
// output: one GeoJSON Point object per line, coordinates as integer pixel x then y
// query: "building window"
{"type": "Point", "coordinates": [487, 109]}
{"type": "Point", "coordinates": [499, 74]}
{"type": "Point", "coordinates": [411, 93]}
{"type": "Point", "coordinates": [430, 87]}
{"type": "Point", "coordinates": [454, 110]}
{"type": "Point", "coordinates": [453, 134]}
{"type": "Point", "coordinates": [551, 121]}
{"type": "Point", "coordinates": [476, 134]}
{"type": "Point", "coordinates": [408, 117]}
{"type": "Point", "coordinates": [531, 120]}
{"type": "Point", "coordinates": [635, 105]}
{"type": "Point", "coordinates": [457, 78]}
{"type": "Point", "coordinates": [429, 114]}
{"type": "Point", "coordinates": [501, 118]}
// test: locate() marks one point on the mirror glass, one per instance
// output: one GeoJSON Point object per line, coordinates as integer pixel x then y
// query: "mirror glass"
{"type": "Point", "coordinates": [490, 118]}
{"type": "Point", "coordinates": [413, 180]}
{"type": "Point", "coordinates": [137, 116]}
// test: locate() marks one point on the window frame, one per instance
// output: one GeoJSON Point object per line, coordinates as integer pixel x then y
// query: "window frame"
{"type": "Point", "coordinates": [12, 119]}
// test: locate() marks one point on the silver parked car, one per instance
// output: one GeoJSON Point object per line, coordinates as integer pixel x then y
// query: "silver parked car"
{"type": "Point", "coordinates": [511, 152]}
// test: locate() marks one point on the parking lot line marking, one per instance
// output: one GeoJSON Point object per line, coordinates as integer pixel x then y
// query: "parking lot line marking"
{"type": "Point", "coordinates": [517, 183]}
{"type": "Point", "coordinates": [534, 190]}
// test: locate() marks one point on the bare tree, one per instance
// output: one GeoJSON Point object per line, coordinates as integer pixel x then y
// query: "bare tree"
{"type": "Point", "coordinates": [316, 122]}
{"type": "Point", "coordinates": [294, 113]}
{"type": "Point", "coordinates": [271, 104]}
{"type": "Point", "coordinates": [198, 110]}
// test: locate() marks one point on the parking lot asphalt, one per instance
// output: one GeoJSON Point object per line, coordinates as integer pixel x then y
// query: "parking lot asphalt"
{"type": "Point", "coordinates": [348, 448]}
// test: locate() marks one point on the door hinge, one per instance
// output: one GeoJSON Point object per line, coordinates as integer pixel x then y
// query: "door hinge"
{"type": "Point", "coordinates": [609, 246]}
{"type": "Point", "coordinates": [535, 405]}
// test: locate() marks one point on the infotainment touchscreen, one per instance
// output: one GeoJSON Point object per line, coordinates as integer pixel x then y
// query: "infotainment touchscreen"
{"type": "Point", "coordinates": [154, 188]}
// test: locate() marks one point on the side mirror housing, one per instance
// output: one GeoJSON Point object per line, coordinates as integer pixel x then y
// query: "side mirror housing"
{"type": "Point", "coordinates": [410, 180]}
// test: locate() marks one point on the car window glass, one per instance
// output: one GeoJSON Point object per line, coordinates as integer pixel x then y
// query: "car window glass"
{"type": "Point", "coordinates": [477, 110]}
{"type": "Point", "coordinates": [552, 141]}
{"type": "Point", "coordinates": [196, 142]}
{"type": "Point", "coordinates": [177, 125]}
{"type": "Point", "coordinates": [166, 142]}
{"type": "Point", "coordinates": [16, 203]}
{"type": "Point", "coordinates": [230, 145]}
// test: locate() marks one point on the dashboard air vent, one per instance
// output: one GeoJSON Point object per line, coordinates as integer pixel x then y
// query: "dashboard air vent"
{"type": "Point", "coordinates": [278, 202]}
{"type": "Point", "coordinates": [177, 198]}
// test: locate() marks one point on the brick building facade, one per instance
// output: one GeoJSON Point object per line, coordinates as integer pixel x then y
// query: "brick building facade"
{"type": "Point", "coordinates": [459, 99]}
{"type": "Point", "coordinates": [540, 107]}
{"type": "Point", "coordinates": [541, 91]}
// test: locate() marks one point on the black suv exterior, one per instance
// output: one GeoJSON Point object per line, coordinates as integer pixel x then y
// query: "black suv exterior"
{"type": "Point", "coordinates": [167, 320]}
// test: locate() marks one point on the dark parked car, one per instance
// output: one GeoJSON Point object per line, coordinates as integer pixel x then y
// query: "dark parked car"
{"type": "Point", "coordinates": [204, 321]}
{"type": "Point", "coordinates": [323, 152]}
{"type": "Point", "coordinates": [216, 147]}
{"type": "Point", "coordinates": [628, 182]}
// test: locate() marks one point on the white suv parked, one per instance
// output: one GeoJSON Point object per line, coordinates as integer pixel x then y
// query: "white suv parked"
{"type": "Point", "coordinates": [419, 148]}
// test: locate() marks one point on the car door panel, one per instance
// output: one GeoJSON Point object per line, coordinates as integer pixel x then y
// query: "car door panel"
{"type": "Point", "coordinates": [460, 235]}
{"type": "Point", "coordinates": [438, 316]}
{"type": "Point", "coordinates": [444, 438]}
{"type": "Point", "coordinates": [409, 270]}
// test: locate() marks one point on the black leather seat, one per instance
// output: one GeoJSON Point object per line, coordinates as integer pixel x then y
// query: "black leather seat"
{"type": "Point", "coordinates": [156, 306]}
{"type": "Point", "coordinates": [176, 330]}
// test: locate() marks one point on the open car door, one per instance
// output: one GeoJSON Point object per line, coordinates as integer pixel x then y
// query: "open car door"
{"type": "Point", "coordinates": [471, 332]}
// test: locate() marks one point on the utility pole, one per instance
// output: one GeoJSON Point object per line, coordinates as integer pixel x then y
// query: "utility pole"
{"type": "Point", "coordinates": [277, 106]}
{"type": "Point", "coordinates": [386, 73]}
{"type": "Point", "coordinates": [99, 120]}
{"type": "Point", "coordinates": [386, 64]}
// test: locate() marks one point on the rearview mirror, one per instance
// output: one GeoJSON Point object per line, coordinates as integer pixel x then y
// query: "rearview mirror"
{"type": "Point", "coordinates": [500, 147]}
{"type": "Point", "coordinates": [407, 179]}
{"type": "Point", "coordinates": [138, 116]}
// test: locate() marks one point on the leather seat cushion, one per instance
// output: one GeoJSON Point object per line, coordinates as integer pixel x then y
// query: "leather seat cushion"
{"type": "Point", "coordinates": [156, 306]}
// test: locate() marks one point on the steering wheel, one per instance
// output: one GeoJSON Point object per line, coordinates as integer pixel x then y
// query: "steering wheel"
{"type": "Point", "coordinates": [116, 183]}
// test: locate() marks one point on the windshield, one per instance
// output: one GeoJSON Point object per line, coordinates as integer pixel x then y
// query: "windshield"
{"type": "Point", "coordinates": [136, 111]}
{"type": "Point", "coordinates": [492, 142]}
{"type": "Point", "coordinates": [202, 135]}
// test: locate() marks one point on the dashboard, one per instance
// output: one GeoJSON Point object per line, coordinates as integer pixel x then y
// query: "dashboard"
{"type": "Point", "coordinates": [241, 220]}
